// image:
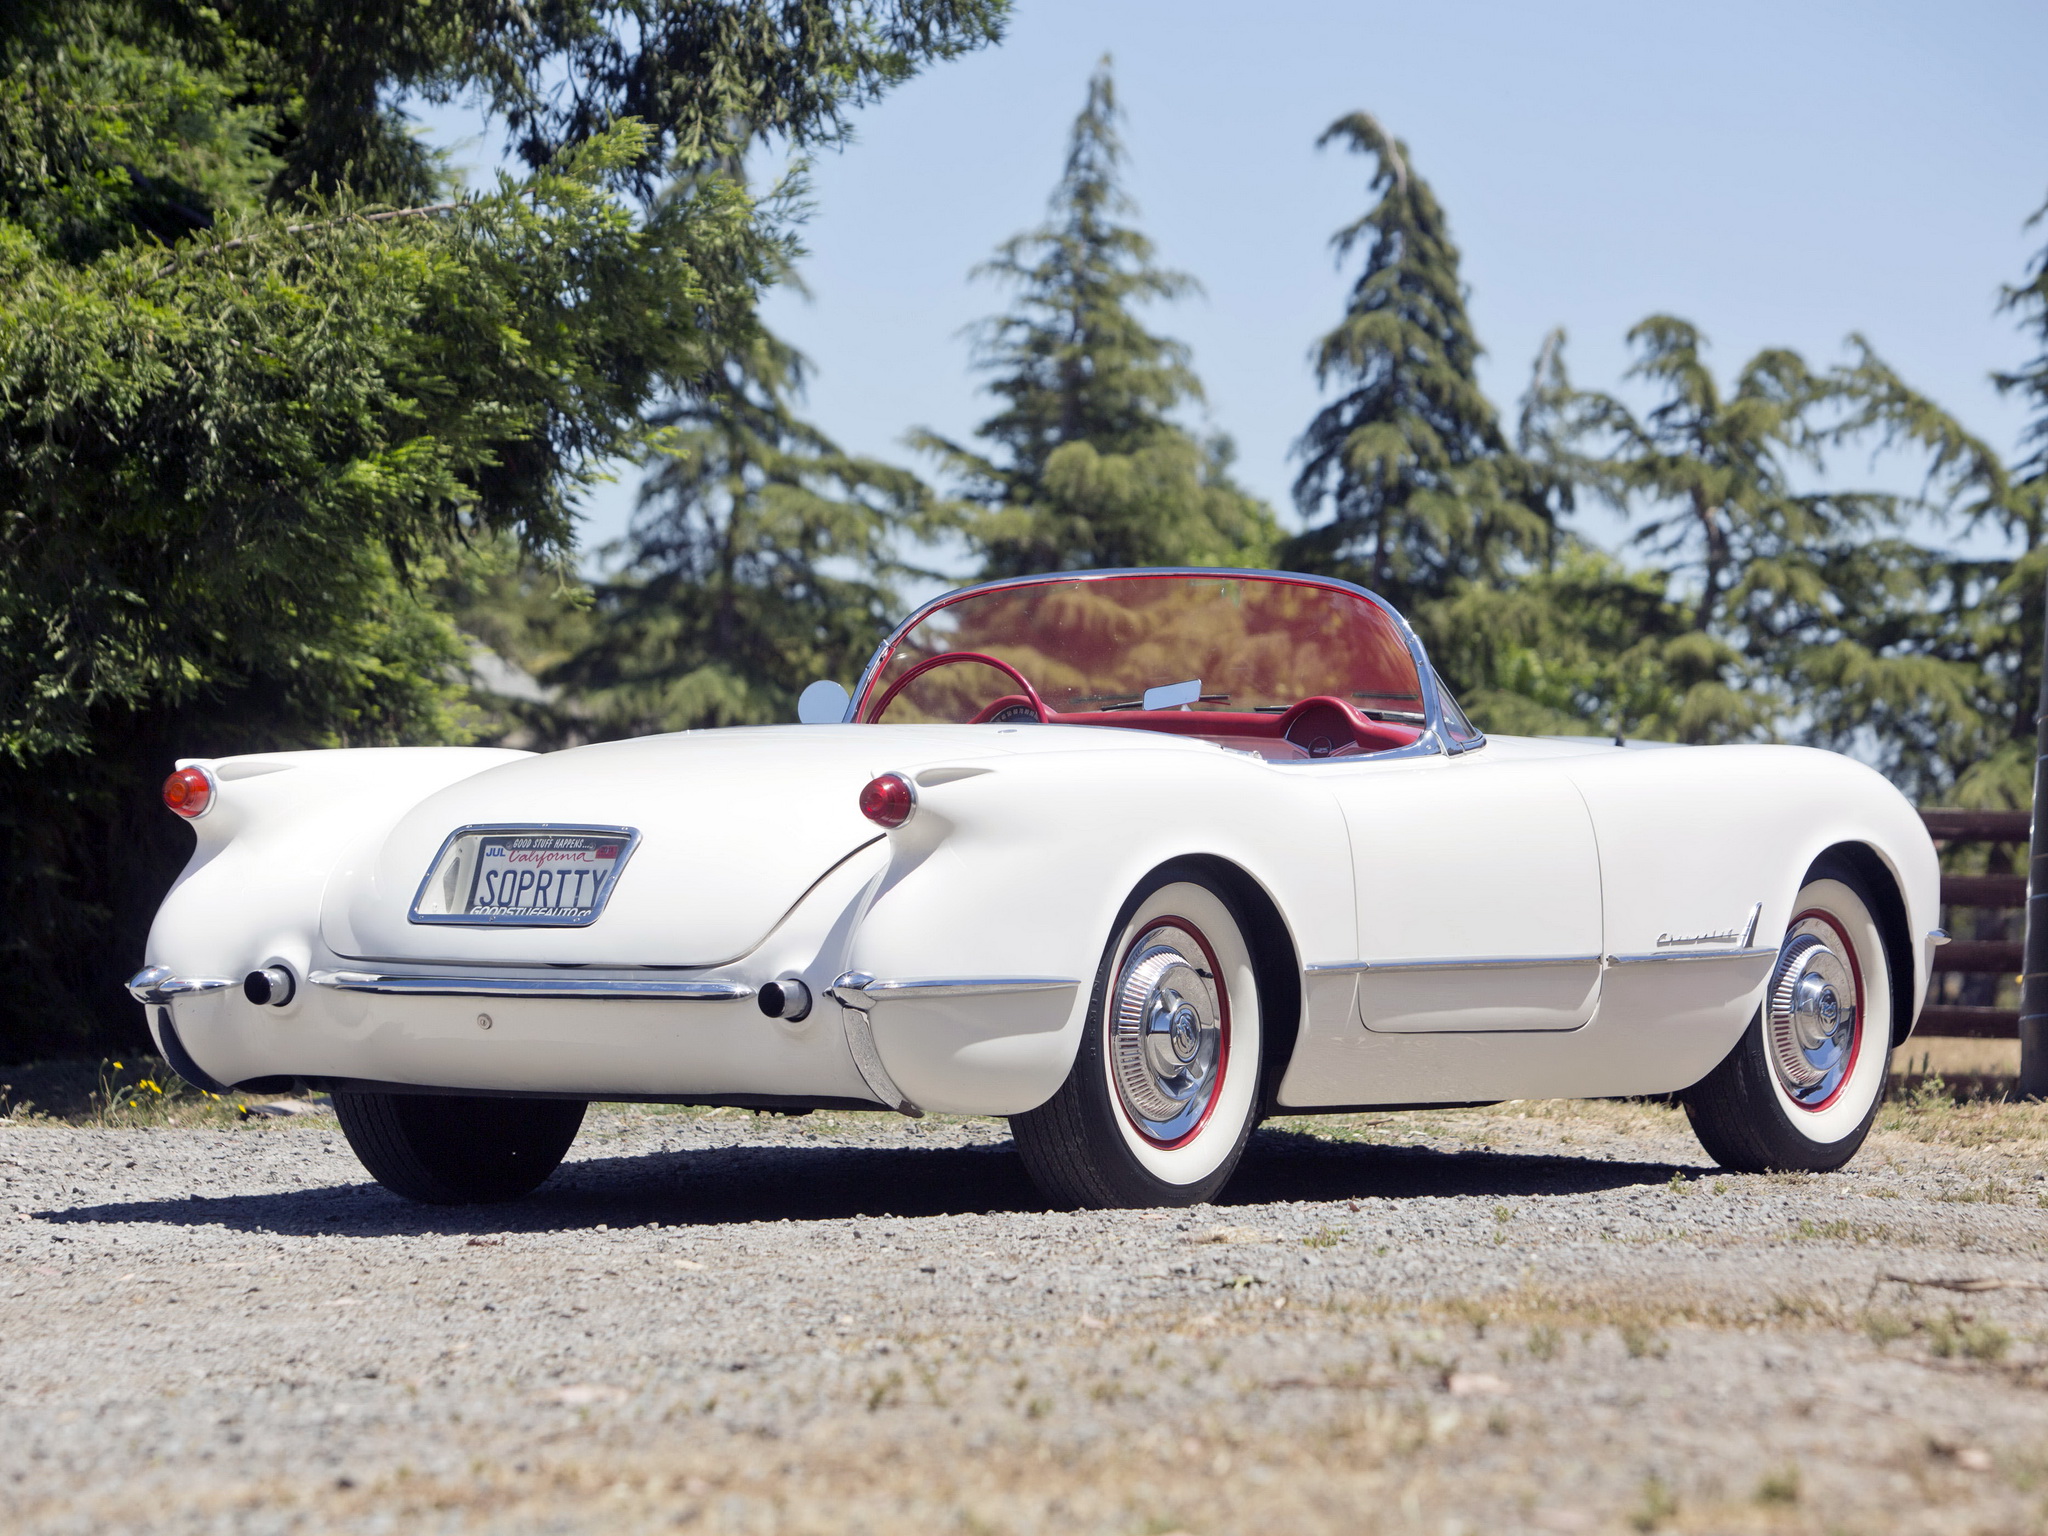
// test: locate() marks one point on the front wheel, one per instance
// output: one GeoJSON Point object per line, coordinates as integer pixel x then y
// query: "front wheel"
{"type": "Point", "coordinates": [1801, 1088]}
{"type": "Point", "coordinates": [448, 1149]}
{"type": "Point", "coordinates": [1164, 1089]}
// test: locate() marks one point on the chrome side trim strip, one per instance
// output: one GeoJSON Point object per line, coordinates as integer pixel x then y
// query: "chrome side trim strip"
{"type": "Point", "coordinates": [528, 986]}
{"type": "Point", "coordinates": [1679, 956]}
{"type": "Point", "coordinates": [1472, 963]}
{"type": "Point", "coordinates": [1529, 962]}
{"type": "Point", "coordinates": [158, 985]}
{"type": "Point", "coordinates": [850, 991]}
{"type": "Point", "coordinates": [872, 991]}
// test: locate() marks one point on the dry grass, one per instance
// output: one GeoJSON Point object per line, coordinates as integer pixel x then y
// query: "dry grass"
{"type": "Point", "coordinates": [1422, 1418]}
{"type": "Point", "coordinates": [1456, 1412]}
{"type": "Point", "coordinates": [1929, 1110]}
{"type": "Point", "coordinates": [120, 1093]}
{"type": "Point", "coordinates": [1924, 1056]}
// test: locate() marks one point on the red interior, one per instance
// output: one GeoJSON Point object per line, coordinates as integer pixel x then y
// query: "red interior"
{"type": "Point", "coordinates": [1318, 727]}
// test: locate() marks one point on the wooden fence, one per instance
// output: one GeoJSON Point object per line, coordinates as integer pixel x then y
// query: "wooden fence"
{"type": "Point", "coordinates": [1984, 962]}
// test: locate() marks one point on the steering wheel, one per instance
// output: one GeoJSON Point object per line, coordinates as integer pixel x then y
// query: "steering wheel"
{"type": "Point", "coordinates": [945, 658]}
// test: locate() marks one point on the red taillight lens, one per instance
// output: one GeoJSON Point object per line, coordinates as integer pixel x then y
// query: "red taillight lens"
{"type": "Point", "coordinates": [889, 800]}
{"type": "Point", "coordinates": [188, 792]}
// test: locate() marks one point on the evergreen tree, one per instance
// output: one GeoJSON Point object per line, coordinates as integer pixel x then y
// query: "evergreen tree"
{"type": "Point", "coordinates": [1792, 608]}
{"type": "Point", "coordinates": [2030, 381]}
{"type": "Point", "coordinates": [262, 373]}
{"type": "Point", "coordinates": [1408, 485]}
{"type": "Point", "coordinates": [762, 559]}
{"type": "Point", "coordinates": [1089, 467]}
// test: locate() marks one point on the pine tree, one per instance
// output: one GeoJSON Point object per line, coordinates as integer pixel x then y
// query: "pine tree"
{"type": "Point", "coordinates": [1088, 467]}
{"type": "Point", "coordinates": [2030, 381]}
{"type": "Point", "coordinates": [263, 375]}
{"type": "Point", "coordinates": [1408, 484]}
{"type": "Point", "coordinates": [1800, 612]}
{"type": "Point", "coordinates": [763, 558]}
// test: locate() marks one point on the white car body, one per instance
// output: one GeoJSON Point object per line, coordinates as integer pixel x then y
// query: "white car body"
{"type": "Point", "coordinates": [1520, 918]}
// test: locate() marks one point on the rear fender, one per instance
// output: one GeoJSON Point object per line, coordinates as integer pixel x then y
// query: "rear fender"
{"type": "Point", "coordinates": [1017, 873]}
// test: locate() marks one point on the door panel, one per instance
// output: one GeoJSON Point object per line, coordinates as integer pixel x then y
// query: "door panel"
{"type": "Point", "coordinates": [1478, 896]}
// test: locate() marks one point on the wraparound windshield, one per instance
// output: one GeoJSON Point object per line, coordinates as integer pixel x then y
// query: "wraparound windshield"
{"type": "Point", "coordinates": [1092, 646]}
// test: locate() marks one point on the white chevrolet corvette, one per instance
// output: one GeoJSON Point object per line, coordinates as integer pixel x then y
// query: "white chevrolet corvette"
{"type": "Point", "coordinates": [1133, 858]}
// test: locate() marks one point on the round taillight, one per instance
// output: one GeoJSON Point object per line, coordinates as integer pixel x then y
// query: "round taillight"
{"type": "Point", "coordinates": [188, 792]}
{"type": "Point", "coordinates": [888, 801]}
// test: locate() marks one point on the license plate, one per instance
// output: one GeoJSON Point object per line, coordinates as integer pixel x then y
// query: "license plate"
{"type": "Point", "coordinates": [535, 877]}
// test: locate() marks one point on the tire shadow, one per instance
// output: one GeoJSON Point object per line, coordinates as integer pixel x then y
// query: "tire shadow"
{"type": "Point", "coordinates": [724, 1186]}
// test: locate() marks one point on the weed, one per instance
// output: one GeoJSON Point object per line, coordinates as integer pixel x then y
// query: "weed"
{"type": "Point", "coordinates": [1779, 1487]}
{"type": "Point", "coordinates": [1992, 1191]}
{"type": "Point", "coordinates": [1838, 1231]}
{"type": "Point", "coordinates": [886, 1392]}
{"type": "Point", "coordinates": [1474, 1314]}
{"type": "Point", "coordinates": [110, 1094]}
{"type": "Point", "coordinates": [1325, 1237]}
{"type": "Point", "coordinates": [1883, 1328]}
{"type": "Point", "coordinates": [1959, 1335]}
{"type": "Point", "coordinates": [1678, 1184]}
{"type": "Point", "coordinates": [1721, 1186]}
{"type": "Point", "coordinates": [1544, 1342]}
{"type": "Point", "coordinates": [1658, 1506]}
{"type": "Point", "coordinates": [1641, 1343]}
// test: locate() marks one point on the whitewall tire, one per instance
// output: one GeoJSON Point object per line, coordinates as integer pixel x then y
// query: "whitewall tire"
{"type": "Point", "coordinates": [1164, 1088]}
{"type": "Point", "coordinates": [1802, 1086]}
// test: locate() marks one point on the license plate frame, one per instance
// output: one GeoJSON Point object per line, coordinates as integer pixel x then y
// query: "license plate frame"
{"type": "Point", "coordinates": [461, 865]}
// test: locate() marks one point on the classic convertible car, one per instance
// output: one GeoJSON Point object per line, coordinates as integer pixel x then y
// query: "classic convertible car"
{"type": "Point", "coordinates": [1133, 858]}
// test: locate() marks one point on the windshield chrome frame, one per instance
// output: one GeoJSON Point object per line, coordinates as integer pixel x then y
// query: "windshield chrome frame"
{"type": "Point", "coordinates": [1434, 740]}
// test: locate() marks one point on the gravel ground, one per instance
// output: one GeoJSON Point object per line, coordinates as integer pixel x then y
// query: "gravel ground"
{"type": "Point", "coordinates": [1543, 1317]}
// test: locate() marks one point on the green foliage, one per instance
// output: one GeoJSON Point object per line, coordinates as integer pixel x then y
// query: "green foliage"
{"type": "Point", "coordinates": [258, 396]}
{"type": "Point", "coordinates": [217, 463]}
{"type": "Point", "coordinates": [1765, 599]}
{"type": "Point", "coordinates": [1408, 485]}
{"type": "Point", "coordinates": [1583, 646]}
{"type": "Point", "coordinates": [762, 559]}
{"type": "Point", "coordinates": [1776, 604]}
{"type": "Point", "coordinates": [1089, 467]}
{"type": "Point", "coordinates": [2029, 301]}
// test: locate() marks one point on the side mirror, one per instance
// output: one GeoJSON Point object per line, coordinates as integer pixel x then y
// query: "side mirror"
{"type": "Point", "coordinates": [823, 703]}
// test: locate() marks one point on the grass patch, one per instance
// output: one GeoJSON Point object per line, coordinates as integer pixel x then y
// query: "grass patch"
{"type": "Point", "coordinates": [117, 1093]}
{"type": "Point", "coordinates": [1955, 1336]}
{"type": "Point", "coordinates": [1809, 1231]}
{"type": "Point", "coordinates": [1934, 1110]}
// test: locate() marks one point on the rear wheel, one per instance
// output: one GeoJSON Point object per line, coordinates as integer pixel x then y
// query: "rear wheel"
{"type": "Point", "coordinates": [1802, 1086]}
{"type": "Point", "coordinates": [1164, 1089]}
{"type": "Point", "coordinates": [448, 1149]}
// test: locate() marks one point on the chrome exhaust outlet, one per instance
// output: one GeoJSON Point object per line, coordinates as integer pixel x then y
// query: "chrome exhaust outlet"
{"type": "Point", "coordinates": [787, 998]}
{"type": "Point", "coordinates": [273, 986]}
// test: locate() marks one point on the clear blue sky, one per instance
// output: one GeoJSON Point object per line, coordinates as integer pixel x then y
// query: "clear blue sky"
{"type": "Point", "coordinates": [1780, 174]}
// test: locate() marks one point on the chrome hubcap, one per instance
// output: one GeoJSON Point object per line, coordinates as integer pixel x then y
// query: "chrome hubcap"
{"type": "Point", "coordinates": [1810, 1016]}
{"type": "Point", "coordinates": [1166, 1034]}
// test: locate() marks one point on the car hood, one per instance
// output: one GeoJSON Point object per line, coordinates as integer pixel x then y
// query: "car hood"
{"type": "Point", "coordinates": [735, 826]}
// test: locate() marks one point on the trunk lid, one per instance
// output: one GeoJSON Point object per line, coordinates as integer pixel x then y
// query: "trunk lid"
{"type": "Point", "coordinates": [734, 827]}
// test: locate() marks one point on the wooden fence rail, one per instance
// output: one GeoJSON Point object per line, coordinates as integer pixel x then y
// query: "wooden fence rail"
{"type": "Point", "coordinates": [1977, 957]}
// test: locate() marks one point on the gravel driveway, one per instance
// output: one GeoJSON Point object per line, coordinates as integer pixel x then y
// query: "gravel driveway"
{"type": "Point", "coordinates": [1543, 1317]}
